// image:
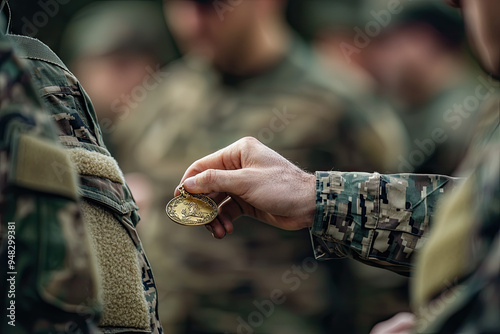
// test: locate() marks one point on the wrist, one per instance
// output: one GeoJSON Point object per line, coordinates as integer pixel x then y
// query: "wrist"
{"type": "Point", "coordinates": [310, 199]}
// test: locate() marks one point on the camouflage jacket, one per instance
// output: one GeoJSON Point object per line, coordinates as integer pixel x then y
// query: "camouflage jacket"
{"type": "Point", "coordinates": [127, 290]}
{"type": "Point", "coordinates": [383, 220]}
{"type": "Point", "coordinates": [39, 215]}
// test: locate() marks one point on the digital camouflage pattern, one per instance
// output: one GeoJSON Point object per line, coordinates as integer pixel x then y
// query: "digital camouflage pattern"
{"type": "Point", "coordinates": [383, 220]}
{"type": "Point", "coordinates": [56, 294]}
{"type": "Point", "coordinates": [296, 108]}
{"type": "Point", "coordinates": [100, 184]}
{"type": "Point", "coordinates": [374, 217]}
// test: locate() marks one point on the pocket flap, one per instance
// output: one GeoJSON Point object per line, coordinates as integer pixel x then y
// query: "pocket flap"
{"type": "Point", "coordinates": [41, 165]}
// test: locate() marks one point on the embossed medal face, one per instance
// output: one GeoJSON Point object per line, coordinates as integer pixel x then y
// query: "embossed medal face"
{"type": "Point", "coordinates": [192, 209]}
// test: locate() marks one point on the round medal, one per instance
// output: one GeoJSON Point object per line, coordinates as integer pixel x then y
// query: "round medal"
{"type": "Point", "coordinates": [192, 209]}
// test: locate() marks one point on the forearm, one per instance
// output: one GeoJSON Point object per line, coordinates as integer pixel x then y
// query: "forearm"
{"type": "Point", "coordinates": [378, 219]}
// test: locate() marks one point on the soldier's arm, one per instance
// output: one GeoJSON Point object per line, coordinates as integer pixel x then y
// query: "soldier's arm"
{"type": "Point", "coordinates": [374, 218]}
{"type": "Point", "coordinates": [377, 219]}
{"type": "Point", "coordinates": [43, 246]}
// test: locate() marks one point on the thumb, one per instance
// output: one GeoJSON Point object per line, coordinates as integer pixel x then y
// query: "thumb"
{"type": "Point", "coordinates": [215, 180]}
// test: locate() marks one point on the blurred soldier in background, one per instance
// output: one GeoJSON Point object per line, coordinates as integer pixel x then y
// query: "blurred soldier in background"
{"type": "Point", "coordinates": [116, 50]}
{"type": "Point", "coordinates": [114, 47]}
{"type": "Point", "coordinates": [329, 25]}
{"type": "Point", "coordinates": [420, 64]}
{"type": "Point", "coordinates": [246, 73]}
{"type": "Point", "coordinates": [332, 28]}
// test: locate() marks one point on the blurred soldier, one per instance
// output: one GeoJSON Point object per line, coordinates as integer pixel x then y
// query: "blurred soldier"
{"type": "Point", "coordinates": [246, 73]}
{"type": "Point", "coordinates": [114, 48]}
{"type": "Point", "coordinates": [332, 27]}
{"type": "Point", "coordinates": [420, 63]}
{"type": "Point", "coordinates": [57, 295]}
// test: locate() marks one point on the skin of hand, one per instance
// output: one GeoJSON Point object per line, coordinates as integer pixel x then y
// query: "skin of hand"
{"type": "Point", "coordinates": [401, 323]}
{"type": "Point", "coordinates": [248, 178]}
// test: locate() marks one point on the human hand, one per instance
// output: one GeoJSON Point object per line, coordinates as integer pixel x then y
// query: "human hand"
{"type": "Point", "coordinates": [250, 179]}
{"type": "Point", "coordinates": [401, 323]}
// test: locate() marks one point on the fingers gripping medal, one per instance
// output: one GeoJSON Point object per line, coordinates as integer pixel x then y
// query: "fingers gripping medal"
{"type": "Point", "coordinates": [192, 209]}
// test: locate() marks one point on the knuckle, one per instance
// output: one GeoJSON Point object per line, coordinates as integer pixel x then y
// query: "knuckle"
{"type": "Point", "coordinates": [249, 144]}
{"type": "Point", "coordinates": [250, 141]}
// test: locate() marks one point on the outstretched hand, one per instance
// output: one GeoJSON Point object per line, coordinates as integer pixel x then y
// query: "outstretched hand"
{"type": "Point", "coordinates": [248, 178]}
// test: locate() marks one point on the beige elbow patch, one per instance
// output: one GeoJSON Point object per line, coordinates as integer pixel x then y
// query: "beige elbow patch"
{"type": "Point", "coordinates": [96, 164]}
{"type": "Point", "coordinates": [124, 303]}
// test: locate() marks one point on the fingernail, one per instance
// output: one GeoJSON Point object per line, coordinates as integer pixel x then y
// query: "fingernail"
{"type": "Point", "coordinates": [190, 183]}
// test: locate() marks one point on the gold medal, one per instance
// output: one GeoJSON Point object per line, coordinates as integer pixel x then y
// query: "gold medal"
{"type": "Point", "coordinates": [192, 209]}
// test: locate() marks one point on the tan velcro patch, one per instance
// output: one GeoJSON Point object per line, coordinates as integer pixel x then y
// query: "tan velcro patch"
{"type": "Point", "coordinates": [96, 164]}
{"type": "Point", "coordinates": [43, 166]}
{"type": "Point", "coordinates": [124, 303]}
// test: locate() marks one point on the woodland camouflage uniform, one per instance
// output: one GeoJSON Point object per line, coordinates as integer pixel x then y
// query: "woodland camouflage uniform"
{"type": "Point", "coordinates": [61, 293]}
{"type": "Point", "coordinates": [40, 189]}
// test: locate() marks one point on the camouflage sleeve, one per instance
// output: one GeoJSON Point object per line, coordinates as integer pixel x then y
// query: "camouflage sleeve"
{"type": "Point", "coordinates": [47, 281]}
{"type": "Point", "coordinates": [377, 219]}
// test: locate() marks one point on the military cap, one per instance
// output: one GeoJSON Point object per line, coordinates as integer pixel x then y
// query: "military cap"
{"type": "Point", "coordinates": [318, 15]}
{"type": "Point", "coordinates": [118, 26]}
{"type": "Point", "coordinates": [445, 20]}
